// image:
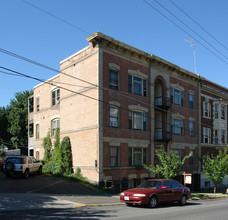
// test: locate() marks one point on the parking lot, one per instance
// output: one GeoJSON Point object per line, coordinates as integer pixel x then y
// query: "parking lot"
{"type": "Point", "coordinates": [44, 184]}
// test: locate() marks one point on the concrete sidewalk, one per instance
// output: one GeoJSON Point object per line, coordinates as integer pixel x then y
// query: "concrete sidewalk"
{"type": "Point", "coordinates": [90, 200]}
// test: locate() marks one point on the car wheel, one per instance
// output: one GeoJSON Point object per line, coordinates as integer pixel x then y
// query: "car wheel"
{"type": "Point", "coordinates": [9, 166]}
{"type": "Point", "coordinates": [153, 202]}
{"type": "Point", "coordinates": [26, 174]}
{"type": "Point", "coordinates": [40, 170]}
{"type": "Point", "coordinates": [183, 200]}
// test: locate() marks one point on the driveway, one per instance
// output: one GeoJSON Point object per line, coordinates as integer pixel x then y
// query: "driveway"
{"type": "Point", "coordinates": [41, 184]}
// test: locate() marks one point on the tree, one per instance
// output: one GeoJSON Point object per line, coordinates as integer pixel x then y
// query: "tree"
{"type": "Point", "coordinates": [170, 165]}
{"type": "Point", "coordinates": [18, 119]}
{"type": "Point", "coordinates": [4, 134]}
{"type": "Point", "coordinates": [47, 145]}
{"type": "Point", "coordinates": [216, 167]}
{"type": "Point", "coordinates": [66, 155]}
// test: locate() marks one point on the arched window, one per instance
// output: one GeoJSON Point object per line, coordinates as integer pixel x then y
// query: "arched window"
{"type": "Point", "coordinates": [54, 126]}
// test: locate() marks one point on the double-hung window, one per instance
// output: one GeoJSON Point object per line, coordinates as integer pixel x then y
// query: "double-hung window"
{"type": "Point", "coordinates": [113, 79]}
{"type": "Point", "coordinates": [55, 95]}
{"type": "Point", "coordinates": [37, 103]}
{"type": "Point", "coordinates": [37, 131]}
{"type": "Point", "coordinates": [54, 126]}
{"type": "Point", "coordinates": [191, 100]}
{"type": "Point", "coordinates": [113, 117]}
{"type": "Point", "coordinates": [114, 157]}
{"type": "Point", "coordinates": [216, 137]}
{"type": "Point", "coordinates": [180, 153]}
{"type": "Point", "coordinates": [177, 97]}
{"type": "Point", "coordinates": [137, 85]}
{"type": "Point", "coordinates": [177, 126]}
{"type": "Point", "coordinates": [206, 109]}
{"type": "Point", "coordinates": [137, 156]}
{"type": "Point", "coordinates": [216, 111]}
{"type": "Point", "coordinates": [137, 120]}
{"type": "Point", "coordinates": [191, 128]}
{"type": "Point", "coordinates": [207, 135]}
{"type": "Point", "coordinates": [222, 112]}
{"type": "Point", "coordinates": [222, 137]}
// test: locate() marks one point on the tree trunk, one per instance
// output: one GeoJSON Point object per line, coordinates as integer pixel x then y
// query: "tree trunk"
{"type": "Point", "coordinates": [215, 189]}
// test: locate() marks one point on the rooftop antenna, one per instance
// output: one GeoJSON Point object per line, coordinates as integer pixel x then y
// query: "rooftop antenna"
{"type": "Point", "coordinates": [192, 44]}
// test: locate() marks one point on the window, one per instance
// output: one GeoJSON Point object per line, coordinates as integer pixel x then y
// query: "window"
{"type": "Point", "coordinates": [55, 97]}
{"type": "Point", "coordinates": [222, 112]}
{"type": "Point", "coordinates": [137, 120]}
{"type": "Point", "coordinates": [137, 156]}
{"type": "Point", "coordinates": [191, 100]}
{"type": "Point", "coordinates": [206, 109]}
{"type": "Point", "coordinates": [37, 131]}
{"type": "Point", "coordinates": [167, 183]}
{"type": "Point", "coordinates": [113, 116]}
{"type": "Point", "coordinates": [54, 126]}
{"type": "Point", "coordinates": [137, 86]}
{"type": "Point", "coordinates": [177, 96]}
{"type": "Point", "coordinates": [113, 79]}
{"type": "Point", "coordinates": [180, 153]}
{"type": "Point", "coordinates": [216, 111]}
{"type": "Point", "coordinates": [37, 103]}
{"type": "Point", "coordinates": [222, 137]}
{"type": "Point", "coordinates": [191, 128]}
{"type": "Point", "coordinates": [192, 157]}
{"type": "Point", "coordinates": [114, 156]}
{"type": "Point", "coordinates": [216, 137]}
{"type": "Point", "coordinates": [37, 155]}
{"type": "Point", "coordinates": [175, 184]}
{"type": "Point", "coordinates": [207, 135]}
{"type": "Point", "coordinates": [177, 126]}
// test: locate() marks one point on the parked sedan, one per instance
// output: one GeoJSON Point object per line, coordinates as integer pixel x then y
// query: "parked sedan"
{"type": "Point", "coordinates": [154, 191]}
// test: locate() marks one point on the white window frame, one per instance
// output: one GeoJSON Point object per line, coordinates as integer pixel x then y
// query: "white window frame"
{"type": "Point", "coordinates": [134, 81]}
{"type": "Point", "coordinates": [56, 99]}
{"type": "Point", "coordinates": [56, 122]}
{"type": "Point", "coordinates": [114, 118]}
{"type": "Point", "coordinates": [134, 117]}
{"type": "Point", "coordinates": [206, 111]}
{"type": "Point", "coordinates": [37, 131]}
{"type": "Point", "coordinates": [206, 137]}
{"type": "Point", "coordinates": [181, 122]}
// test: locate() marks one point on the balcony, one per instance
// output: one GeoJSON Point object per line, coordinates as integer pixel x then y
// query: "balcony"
{"type": "Point", "coordinates": [161, 135]}
{"type": "Point", "coordinates": [162, 102]}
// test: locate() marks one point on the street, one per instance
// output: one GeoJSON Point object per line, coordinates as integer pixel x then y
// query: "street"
{"type": "Point", "coordinates": [208, 210]}
{"type": "Point", "coordinates": [46, 197]}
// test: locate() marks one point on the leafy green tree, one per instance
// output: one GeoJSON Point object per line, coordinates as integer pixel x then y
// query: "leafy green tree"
{"type": "Point", "coordinates": [170, 165]}
{"type": "Point", "coordinates": [66, 156]}
{"type": "Point", "coordinates": [4, 134]}
{"type": "Point", "coordinates": [18, 119]}
{"type": "Point", "coordinates": [47, 145]}
{"type": "Point", "coordinates": [216, 167]}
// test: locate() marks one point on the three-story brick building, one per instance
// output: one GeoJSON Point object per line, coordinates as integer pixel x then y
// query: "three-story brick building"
{"type": "Point", "coordinates": [119, 104]}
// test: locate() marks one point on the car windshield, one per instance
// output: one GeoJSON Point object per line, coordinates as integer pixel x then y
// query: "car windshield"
{"type": "Point", "coordinates": [151, 184]}
{"type": "Point", "coordinates": [15, 160]}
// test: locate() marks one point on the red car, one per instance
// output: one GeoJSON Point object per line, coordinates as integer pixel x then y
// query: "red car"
{"type": "Point", "coordinates": [154, 191]}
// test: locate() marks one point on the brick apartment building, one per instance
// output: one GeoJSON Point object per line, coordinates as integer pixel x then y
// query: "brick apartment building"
{"type": "Point", "coordinates": [119, 104]}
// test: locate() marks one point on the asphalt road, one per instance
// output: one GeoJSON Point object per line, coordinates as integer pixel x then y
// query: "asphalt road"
{"type": "Point", "coordinates": [204, 210]}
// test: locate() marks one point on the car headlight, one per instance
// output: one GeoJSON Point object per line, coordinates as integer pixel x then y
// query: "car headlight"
{"type": "Point", "coordinates": [139, 195]}
{"type": "Point", "coordinates": [122, 194]}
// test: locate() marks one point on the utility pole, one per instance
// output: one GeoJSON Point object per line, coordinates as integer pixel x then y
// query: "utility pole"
{"type": "Point", "coordinates": [192, 44]}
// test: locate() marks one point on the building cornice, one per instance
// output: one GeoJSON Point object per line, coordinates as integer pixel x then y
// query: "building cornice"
{"type": "Point", "coordinates": [101, 39]}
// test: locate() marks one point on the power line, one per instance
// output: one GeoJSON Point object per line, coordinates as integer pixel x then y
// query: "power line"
{"type": "Point", "coordinates": [198, 25]}
{"type": "Point", "coordinates": [190, 29]}
{"type": "Point", "coordinates": [185, 31]}
{"type": "Point", "coordinates": [78, 93]}
{"type": "Point", "coordinates": [56, 17]}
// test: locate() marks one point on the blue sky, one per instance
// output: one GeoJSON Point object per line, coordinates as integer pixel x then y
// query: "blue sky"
{"type": "Point", "coordinates": [30, 33]}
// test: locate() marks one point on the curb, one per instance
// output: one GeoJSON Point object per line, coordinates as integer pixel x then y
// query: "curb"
{"type": "Point", "coordinates": [79, 205]}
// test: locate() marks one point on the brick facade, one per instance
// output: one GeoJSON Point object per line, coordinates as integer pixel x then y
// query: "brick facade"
{"type": "Point", "coordinates": [119, 104]}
